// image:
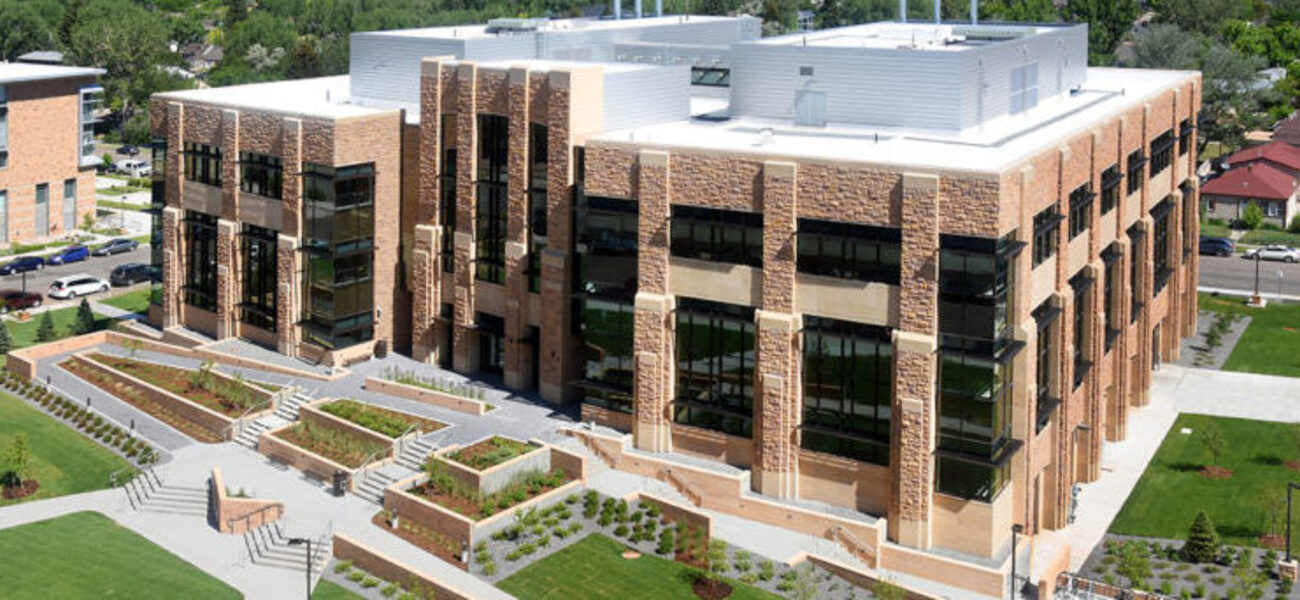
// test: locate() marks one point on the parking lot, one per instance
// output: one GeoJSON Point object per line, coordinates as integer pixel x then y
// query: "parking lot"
{"type": "Point", "coordinates": [95, 266]}
{"type": "Point", "coordinates": [1236, 273]}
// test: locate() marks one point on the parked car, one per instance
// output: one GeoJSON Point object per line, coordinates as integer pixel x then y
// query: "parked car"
{"type": "Point", "coordinates": [116, 246]}
{"type": "Point", "coordinates": [1217, 246]}
{"type": "Point", "coordinates": [76, 285]}
{"type": "Point", "coordinates": [1282, 253]}
{"type": "Point", "coordinates": [128, 150]}
{"type": "Point", "coordinates": [71, 254]}
{"type": "Point", "coordinates": [130, 274]}
{"type": "Point", "coordinates": [22, 264]}
{"type": "Point", "coordinates": [18, 300]}
{"type": "Point", "coordinates": [133, 167]}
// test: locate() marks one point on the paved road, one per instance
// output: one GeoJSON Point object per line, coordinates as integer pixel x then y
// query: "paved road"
{"type": "Point", "coordinates": [1236, 273]}
{"type": "Point", "coordinates": [98, 266]}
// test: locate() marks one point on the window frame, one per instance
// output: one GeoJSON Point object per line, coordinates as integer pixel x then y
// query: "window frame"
{"type": "Point", "coordinates": [200, 289]}
{"type": "Point", "coordinates": [1136, 169]}
{"type": "Point", "coordinates": [1162, 151]}
{"type": "Point", "coordinates": [708, 234]}
{"type": "Point", "coordinates": [259, 296]}
{"type": "Point", "coordinates": [1111, 179]}
{"type": "Point", "coordinates": [702, 396]}
{"type": "Point", "coordinates": [202, 163]}
{"type": "Point", "coordinates": [1047, 234]}
{"type": "Point", "coordinates": [816, 239]}
{"type": "Point", "coordinates": [1081, 210]}
{"type": "Point", "coordinates": [261, 175]}
{"type": "Point", "coordinates": [858, 428]}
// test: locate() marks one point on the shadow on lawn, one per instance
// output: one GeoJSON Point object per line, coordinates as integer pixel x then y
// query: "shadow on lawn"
{"type": "Point", "coordinates": [1268, 460]}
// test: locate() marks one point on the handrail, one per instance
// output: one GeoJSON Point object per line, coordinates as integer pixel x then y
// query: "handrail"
{"type": "Point", "coordinates": [852, 543]}
{"type": "Point", "coordinates": [248, 518]}
{"type": "Point", "coordinates": [360, 472]}
{"type": "Point", "coordinates": [400, 443]}
{"type": "Point", "coordinates": [239, 424]}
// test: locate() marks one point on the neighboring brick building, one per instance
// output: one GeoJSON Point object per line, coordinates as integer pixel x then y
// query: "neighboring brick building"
{"type": "Point", "coordinates": [47, 153]}
{"type": "Point", "coordinates": [924, 284]}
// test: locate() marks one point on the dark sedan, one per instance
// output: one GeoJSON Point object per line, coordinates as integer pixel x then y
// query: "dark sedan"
{"type": "Point", "coordinates": [22, 265]}
{"type": "Point", "coordinates": [18, 300]}
{"type": "Point", "coordinates": [116, 246]}
{"type": "Point", "coordinates": [1217, 246]}
{"type": "Point", "coordinates": [130, 274]}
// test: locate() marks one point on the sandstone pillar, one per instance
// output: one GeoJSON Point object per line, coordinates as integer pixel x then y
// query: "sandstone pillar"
{"type": "Point", "coordinates": [227, 278]}
{"type": "Point", "coordinates": [560, 354]}
{"type": "Point", "coordinates": [464, 336]}
{"type": "Point", "coordinates": [173, 265]}
{"type": "Point", "coordinates": [653, 331]}
{"type": "Point", "coordinates": [426, 273]}
{"type": "Point", "coordinates": [915, 364]}
{"type": "Point", "coordinates": [518, 350]}
{"type": "Point", "coordinates": [288, 290]}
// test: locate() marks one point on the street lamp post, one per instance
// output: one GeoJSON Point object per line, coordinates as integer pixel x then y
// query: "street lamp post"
{"type": "Point", "coordinates": [1016, 531]}
{"type": "Point", "coordinates": [299, 542]}
{"type": "Point", "coordinates": [1289, 487]}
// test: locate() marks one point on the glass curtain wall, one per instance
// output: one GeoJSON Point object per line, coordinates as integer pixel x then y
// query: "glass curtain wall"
{"type": "Point", "coordinates": [157, 200]}
{"type": "Point", "coordinates": [339, 247]}
{"type": "Point", "coordinates": [975, 352]}
{"type": "Point", "coordinates": [537, 186]}
{"type": "Point", "coordinates": [847, 389]}
{"type": "Point", "coordinates": [201, 260]}
{"type": "Point", "coordinates": [715, 366]}
{"type": "Point", "coordinates": [447, 193]}
{"type": "Point", "coordinates": [606, 279]}
{"type": "Point", "coordinates": [490, 220]}
{"type": "Point", "coordinates": [257, 246]}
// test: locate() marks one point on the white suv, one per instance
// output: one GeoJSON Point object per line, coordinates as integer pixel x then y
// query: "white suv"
{"type": "Point", "coordinates": [1281, 253]}
{"type": "Point", "coordinates": [76, 285]}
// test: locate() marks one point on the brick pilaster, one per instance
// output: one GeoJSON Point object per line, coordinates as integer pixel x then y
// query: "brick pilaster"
{"type": "Point", "coordinates": [560, 355]}
{"type": "Point", "coordinates": [1117, 406]}
{"type": "Point", "coordinates": [291, 190]}
{"type": "Point", "coordinates": [518, 353]}
{"type": "Point", "coordinates": [173, 267]}
{"type": "Point", "coordinates": [464, 340]}
{"type": "Point", "coordinates": [426, 274]}
{"type": "Point", "coordinates": [915, 368]}
{"type": "Point", "coordinates": [653, 331]}
{"type": "Point", "coordinates": [227, 277]}
{"type": "Point", "coordinates": [777, 400]}
{"type": "Point", "coordinates": [230, 165]}
{"type": "Point", "coordinates": [1142, 343]}
{"type": "Point", "coordinates": [1096, 417]}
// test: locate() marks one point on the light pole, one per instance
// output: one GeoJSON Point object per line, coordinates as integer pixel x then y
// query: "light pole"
{"type": "Point", "coordinates": [1016, 531]}
{"type": "Point", "coordinates": [299, 542]}
{"type": "Point", "coordinates": [1289, 487]}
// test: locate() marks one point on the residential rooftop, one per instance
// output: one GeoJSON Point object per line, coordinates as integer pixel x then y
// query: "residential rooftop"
{"type": "Point", "coordinates": [24, 72]}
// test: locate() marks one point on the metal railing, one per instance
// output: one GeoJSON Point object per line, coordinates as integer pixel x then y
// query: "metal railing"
{"type": "Point", "coordinates": [248, 518]}
{"type": "Point", "coordinates": [686, 488]}
{"type": "Point", "coordinates": [236, 427]}
{"type": "Point", "coordinates": [854, 545]}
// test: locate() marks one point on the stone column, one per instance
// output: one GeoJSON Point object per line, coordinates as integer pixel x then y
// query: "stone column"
{"type": "Point", "coordinates": [915, 366]}
{"type": "Point", "coordinates": [230, 165]}
{"type": "Point", "coordinates": [653, 331]}
{"type": "Point", "coordinates": [464, 338]}
{"type": "Point", "coordinates": [227, 277]}
{"type": "Point", "coordinates": [1095, 415]}
{"type": "Point", "coordinates": [291, 190]}
{"type": "Point", "coordinates": [777, 391]}
{"type": "Point", "coordinates": [1174, 287]}
{"type": "Point", "coordinates": [1117, 406]}
{"type": "Point", "coordinates": [288, 289]}
{"type": "Point", "coordinates": [173, 265]}
{"type": "Point", "coordinates": [1146, 280]}
{"type": "Point", "coordinates": [518, 354]}
{"type": "Point", "coordinates": [426, 274]}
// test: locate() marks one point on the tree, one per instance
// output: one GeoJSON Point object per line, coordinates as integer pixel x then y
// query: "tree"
{"type": "Point", "coordinates": [6, 340]}
{"type": "Point", "coordinates": [1164, 46]}
{"type": "Point", "coordinates": [45, 330]}
{"type": "Point", "coordinates": [1201, 16]}
{"type": "Point", "coordinates": [85, 322]}
{"type": "Point", "coordinates": [1108, 21]}
{"type": "Point", "coordinates": [236, 11]}
{"type": "Point", "coordinates": [19, 458]}
{"type": "Point", "coordinates": [1247, 582]}
{"type": "Point", "coordinates": [1295, 225]}
{"type": "Point", "coordinates": [1213, 441]}
{"type": "Point", "coordinates": [1036, 11]}
{"type": "Point", "coordinates": [1273, 505]}
{"type": "Point", "coordinates": [1252, 216]}
{"type": "Point", "coordinates": [1202, 541]}
{"type": "Point", "coordinates": [22, 30]}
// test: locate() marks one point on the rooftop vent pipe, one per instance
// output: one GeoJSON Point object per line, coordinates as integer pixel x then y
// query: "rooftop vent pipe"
{"type": "Point", "coordinates": [659, 8]}
{"type": "Point", "coordinates": [618, 9]}
{"type": "Point", "coordinates": [902, 11]}
{"type": "Point", "coordinates": [637, 5]}
{"type": "Point", "coordinates": [974, 12]}
{"type": "Point", "coordinates": [937, 17]}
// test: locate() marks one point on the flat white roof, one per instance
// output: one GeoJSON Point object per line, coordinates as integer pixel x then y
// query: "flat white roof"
{"type": "Point", "coordinates": [994, 147]}
{"type": "Point", "coordinates": [323, 97]}
{"type": "Point", "coordinates": [886, 35]}
{"type": "Point", "coordinates": [20, 72]}
{"type": "Point", "coordinates": [552, 26]}
{"type": "Point", "coordinates": [538, 65]}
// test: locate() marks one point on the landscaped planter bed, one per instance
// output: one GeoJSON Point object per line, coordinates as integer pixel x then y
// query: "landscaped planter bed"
{"type": "Point", "coordinates": [205, 387]}
{"type": "Point", "coordinates": [338, 445]}
{"type": "Point", "coordinates": [1159, 566]}
{"type": "Point", "coordinates": [190, 419]}
{"type": "Point", "coordinates": [438, 392]}
{"type": "Point", "coordinates": [492, 464]}
{"type": "Point", "coordinates": [388, 422]}
{"type": "Point", "coordinates": [488, 453]}
{"type": "Point", "coordinates": [422, 536]}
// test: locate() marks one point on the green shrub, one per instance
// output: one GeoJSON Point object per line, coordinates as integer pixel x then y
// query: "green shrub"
{"type": "Point", "coordinates": [1199, 591]}
{"type": "Point", "coordinates": [369, 582]}
{"type": "Point", "coordinates": [513, 555]}
{"type": "Point", "coordinates": [501, 450]}
{"type": "Point", "coordinates": [490, 569]}
{"type": "Point", "coordinates": [1252, 216]}
{"type": "Point", "coordinates": [666, 541]}
{"type": "Point", "coordinates": [1295, 224]}
{"type": "Point", "coordinates": [621, 531]}
{"type": "Point", "coordinates": [372, 418]}
{"type": "Point", "coordinates": [389, 591]}
{"type": "Point", "coordinates": [356, 576]}
{"type": "Point", "coordinates": [1202, 541]}
{"type": "Point", "coordinates": [766, 570]}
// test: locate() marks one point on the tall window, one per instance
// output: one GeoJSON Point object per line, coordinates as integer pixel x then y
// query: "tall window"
{"type": "Point", "coordinates": [1161, 268]}
{"type": "Point", "coordinates": [1080, 209]}
{"type": "Point", "coordinates": [257, 254]}
{"type": "Point", "coordinates": [715, 366]}
{"type": "Point", "coordinates": [338, 300]}
{"type": "Point", "coordinates": [1046, 399]}
{"type": "Point", "coordinates": [157, 199]}
{"type": "Point", "coordinates": [69, 204]}
{"type": "Point", "coordinates": [1110, 299]}
{"type": "Point", "coordinates": [1162, 151]}
{"type": "Point", "coordinates": [1080, 283]}
{"type": "Point", "coordinates": [975, 364]}
{"type": "Point", "coordinates": [537, 186]}
{"type": "Point", "coordinates": [203, 163]}
{"type": "Point", "coordinates": [1185, 129]}
{"type": "Point", "coordinates": [1135, 163]}
{"type": "Point", "coordinates": [91, 97]}
{"type": "Point", "coordinates": [847, 389]}
{"type": "Point", "coordinates": [201, 260]}
{"type": "Point", "coordinates": [261, 174]}
{"type": "Point", "coordinates": [4, 126]}
{"type": "Point", "coordinates": [42, 209]}
{"type": "Point", "coordinates": [490, 218]}
{"type": "Point", "coordinates": [1110, 180]}
{"type": "Point", "coordinates": [849, 251]}
{"type": "Point", "coordinates": [1024, 88]}
{"type": "Point", "coordinates": [447, 192]}
{"type": "Point", "coordinates": [1135, 236]}
{"type": "Point", "coordinates": [4, 216]}
{"type": "Point", "coordinates": [607, 283]}
{"type": "Point", "coordinates": [729, 236]}
{"type": "Point", "coordinates": [1046, 234]}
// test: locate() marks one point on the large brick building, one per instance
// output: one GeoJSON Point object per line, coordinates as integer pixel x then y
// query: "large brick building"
{"type": "Point", "coordinates": [919, 272]}
{"type": "Point", "coordinates": [47, 153]}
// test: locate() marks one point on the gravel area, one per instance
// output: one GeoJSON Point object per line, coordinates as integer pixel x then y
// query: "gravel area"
{"type": "Point", "coordinates": [1196, 351]}
{"type": "Point", "coordinates": [1173, 577]}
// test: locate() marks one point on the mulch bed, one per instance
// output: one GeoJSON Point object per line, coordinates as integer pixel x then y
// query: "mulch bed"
{"type": "Point", "coordinates": [466, 507]}
{"type": "Point", "coordinates": [710, 589]}
{"type": "Point", "coordinates": [174, 380]}
{"type": "Point", "coordinates": [491, 452]}
{"type": "Point", "coordinates": [1293, 464]}
{"type": "Point", "coordinates": [13, 492]}
{"type": "Point", "coordinates": [424, 542]}
{"type": "Point", "coordinates": [1213, 472]}
{"type": "Point", "coordinates": [1276, 542]}
{"type": "Point", "coordinates": [132, 395]}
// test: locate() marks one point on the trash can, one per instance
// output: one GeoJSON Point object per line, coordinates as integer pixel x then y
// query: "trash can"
{"type": "Point", "coordinates": [340, 483]}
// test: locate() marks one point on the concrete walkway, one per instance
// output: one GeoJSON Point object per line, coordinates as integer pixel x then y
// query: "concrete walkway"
{"type": "Point", "coordinates": [1174, 390]}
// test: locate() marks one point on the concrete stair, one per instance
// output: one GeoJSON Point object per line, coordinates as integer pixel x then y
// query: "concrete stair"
{"type": "Point", "coordinates": [248, 436]}
{"type": "Point", "coordinates": [268, 546]}
{"type": "Point", "coordinates": [148, 494]}
{"type": "Point", "coordinates": [288, 409]}
{"type": "Point", "coordinates": [415, 454]}
{"type": "Point", "coordinates": [372, 486]}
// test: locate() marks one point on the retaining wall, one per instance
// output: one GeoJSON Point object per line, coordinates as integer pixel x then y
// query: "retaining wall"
{"type": "Point", "coordinates": [426, 396]}
{"type": "Point", "coordinates": [216, 423]}
{"type": "Point", "coordinates": [390, 569]}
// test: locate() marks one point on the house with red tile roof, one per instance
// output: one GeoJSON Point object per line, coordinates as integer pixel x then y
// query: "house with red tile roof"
{"type": "Point", "coordinates": [1267, 175]}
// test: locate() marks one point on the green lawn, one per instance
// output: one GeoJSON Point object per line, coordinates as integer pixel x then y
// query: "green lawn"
{"type": "Point", "coordinates": [1214, 230]}
{"type": "Point", "coordinates": [63, 461]}
{"type": "Point", "coordinates": [1270, 343]}
{"type": "Point", "coordinates": [87, 555]}
{"type": "Point", "coordinates": [594, 568]}
{"type": "Point", "coordinates": [24, 332]}
{"type": "Point", "coordinates": [136, 301]}
{"type": "Point", "coordinates": [1264, 237]}
{"type": "Point", "coordinates": [328, 590]}
{"type": "Point", "coordinates": [1171, 491]}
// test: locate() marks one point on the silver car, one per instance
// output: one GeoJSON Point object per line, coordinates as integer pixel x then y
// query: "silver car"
{"type": "Point", "coordinates": [1282, 253]}
{"type": "Point", "coordinates": [76, 285]}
